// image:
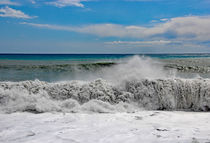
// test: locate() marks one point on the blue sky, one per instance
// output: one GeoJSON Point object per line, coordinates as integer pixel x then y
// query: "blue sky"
{"type": "Point", "coordinates": [104, 26]}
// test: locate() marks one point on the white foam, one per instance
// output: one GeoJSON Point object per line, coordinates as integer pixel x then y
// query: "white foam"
{"type": "Point", "coordinates": [135, 68]}
{"type": "Point", "coordinates": [100, 96]}
{"type": "Point", "coordinates": [144, 126]}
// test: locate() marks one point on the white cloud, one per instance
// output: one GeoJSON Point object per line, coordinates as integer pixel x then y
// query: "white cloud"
{"type": "Point", "coordinates": [191, 27]}
{"type": "Point", "coordinates": [156, 42]}
{"type": "Point", "coordinates": [179, 28]}
{"type": "Point", "coordinates": [64, 3]}
{"type": "Point", "coordinates": [164, 19]}
{"type": "Point", "coordinates": [103, 30]}
{"type": "Point", "coordinates": [33, 1]}
{"type": "Point", "coordinates": [9, 12]}
{"type": "Point", "coordinates": [8, 2]}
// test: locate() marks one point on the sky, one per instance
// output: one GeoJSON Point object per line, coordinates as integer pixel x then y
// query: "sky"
{"type": "Point", "coordinates": [105, 26]}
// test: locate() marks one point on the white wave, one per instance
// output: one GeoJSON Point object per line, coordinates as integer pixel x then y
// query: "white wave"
{"type": "Point", "coordinates": [135, 68]}
{"type": "Point", "coordinates": [101, 96]}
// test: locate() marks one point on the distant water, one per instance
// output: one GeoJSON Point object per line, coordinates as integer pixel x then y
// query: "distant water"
{"type": "Point", "coordinates": [83, 57]}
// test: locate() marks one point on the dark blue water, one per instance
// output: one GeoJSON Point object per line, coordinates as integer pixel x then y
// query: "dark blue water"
{"type": "Point", "coordinates": [84, 57]}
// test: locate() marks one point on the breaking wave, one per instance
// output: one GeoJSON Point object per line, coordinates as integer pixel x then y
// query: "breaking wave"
{"type": "Point", "coordinates": [100, 96]}
{"type": "Point", "coordinates": [138, 84]}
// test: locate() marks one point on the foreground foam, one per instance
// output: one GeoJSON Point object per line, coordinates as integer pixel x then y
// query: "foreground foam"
{"type": "Point", "coordinates": [101, 96]}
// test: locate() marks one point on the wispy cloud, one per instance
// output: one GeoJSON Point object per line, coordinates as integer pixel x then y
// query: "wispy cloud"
{"type": "Point", "coordinates": [144, 44]}
{"type": "Point", "coordinates": [8, 2]}
{"type": "Point", "coordinates": [33, 1]}
{"type": "Point", "coordinates": [159, 45]}
{"type": "Point", "coordinates": [164, 19]}
{"type": "Point", "coordinates": [9, 12]}
{"type": "Point", "coordinates": [156, 42]}
{"type": "Point", "coordinates": [48, 26]}
{"type": "Point", "coordinates": [179, 28]}
{"type": "Point", "coordinates": [64, 3]}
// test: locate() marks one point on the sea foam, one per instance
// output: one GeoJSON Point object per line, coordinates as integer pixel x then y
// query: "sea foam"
{"type": "Point", "coordinates": [100, 96]}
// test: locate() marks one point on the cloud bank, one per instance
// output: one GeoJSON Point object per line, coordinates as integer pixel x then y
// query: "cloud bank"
{"type": "Point", "coordinates": [179, 28]}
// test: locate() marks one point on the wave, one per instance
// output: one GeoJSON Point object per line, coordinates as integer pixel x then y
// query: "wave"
{"type": "Point", "coordinates": [51, 71]}
{"type": "Point", "coordinates": [98, 66]}
{"type": "Point", "coordinates": [128, 68]}
{"type": "Point", "coordinates": [59, 67]}
{"type": "Point", "coordinates": [101, 96]}
{"type": "Point", "coordinates": [188, 68]}
{"type": "Point", "coordinates": [135, 67]}
{"type": "Point", "coordinates": [139, 83]}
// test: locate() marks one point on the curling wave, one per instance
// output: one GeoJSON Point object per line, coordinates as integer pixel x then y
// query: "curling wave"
{"type": "Point", "coordinates": [102, 96]}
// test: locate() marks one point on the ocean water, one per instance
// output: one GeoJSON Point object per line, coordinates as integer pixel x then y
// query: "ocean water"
{"type": "Point", "coordinates": [84, 57]}
{"type": "Point", "coordinates": [55, 67]}
{"type": "Point", "coordinates": [104, 82]}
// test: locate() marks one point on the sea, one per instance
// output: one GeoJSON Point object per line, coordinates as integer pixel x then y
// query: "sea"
{"type": "Point", "coordinates": [104, 83]}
